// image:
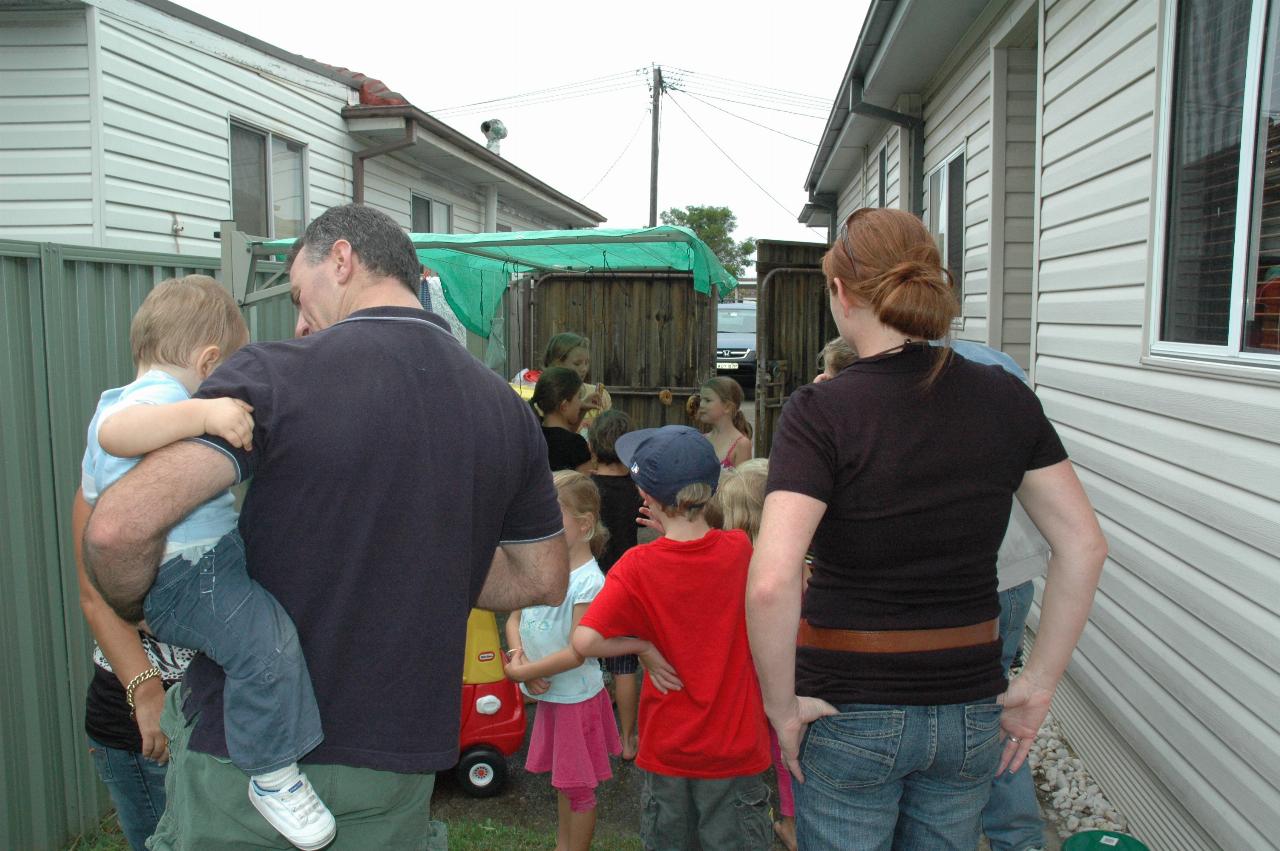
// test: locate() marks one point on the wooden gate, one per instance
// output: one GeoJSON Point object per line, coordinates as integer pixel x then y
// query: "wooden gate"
{"type": "Point", "coordinates": [793, 324]}
{"type": "Point", "coordinates": [652, 336]}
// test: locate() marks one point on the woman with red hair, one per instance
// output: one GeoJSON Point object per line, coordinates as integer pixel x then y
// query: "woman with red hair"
{"type": "Point", "coordinates": [885, 685]}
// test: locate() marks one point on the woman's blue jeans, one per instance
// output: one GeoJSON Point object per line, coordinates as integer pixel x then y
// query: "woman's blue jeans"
{"type": "Point", "coordinates": [136, 785]}
{"type": "Point", "coordinates": [881, 777]}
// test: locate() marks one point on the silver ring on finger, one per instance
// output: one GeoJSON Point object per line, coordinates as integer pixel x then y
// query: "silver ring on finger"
{"type": "Point", "coordinates": [1014, 739]}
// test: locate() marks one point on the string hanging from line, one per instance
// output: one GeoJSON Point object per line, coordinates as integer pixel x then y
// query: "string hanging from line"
{"type": "Point", "coordinates": [618, 159]}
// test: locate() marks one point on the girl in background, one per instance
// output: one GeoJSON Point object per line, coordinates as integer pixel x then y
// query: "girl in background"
{"type": "Point", "coordinates": [557, 403]}
{"type": "Point", "coordinates": [573, 729]}
{"type": "Point", "coordinates": [571, 351]}
{"type": "Point", "coordinates": [741, 503]}
{"type": "Point", "coordinates": [720, 409]}
{"type": "Point", "coordinates": [620, 505]}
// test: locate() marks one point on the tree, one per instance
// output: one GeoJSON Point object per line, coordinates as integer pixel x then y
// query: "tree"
{"type": "Point", "coordinates": [715, 226]}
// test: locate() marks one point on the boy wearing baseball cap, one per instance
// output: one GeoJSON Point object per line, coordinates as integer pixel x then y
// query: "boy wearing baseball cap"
{"type": "Point", "coordinates": [704, 741]}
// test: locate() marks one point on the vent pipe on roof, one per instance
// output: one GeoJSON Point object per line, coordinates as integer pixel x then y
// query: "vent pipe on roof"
{"type": "Point", "coordinates": [494, 132]}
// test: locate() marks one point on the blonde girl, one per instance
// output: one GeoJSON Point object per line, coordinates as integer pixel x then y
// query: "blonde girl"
{"type": "Point", "coordinates": [720, 410]}
{"type": "Point", "coordinates": [740, 501]}
{"type": "Point", "coordinates": [573, 729]}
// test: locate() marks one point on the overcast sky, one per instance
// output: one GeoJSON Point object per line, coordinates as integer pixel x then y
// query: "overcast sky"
{"type": "Point", "coordinates": [441, 55]}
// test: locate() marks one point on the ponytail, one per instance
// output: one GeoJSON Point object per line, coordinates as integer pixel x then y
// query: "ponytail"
{"type": "Point", "coordinates": [888, 260]}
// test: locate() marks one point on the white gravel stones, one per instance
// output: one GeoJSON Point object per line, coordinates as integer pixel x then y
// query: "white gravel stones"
{"type": "Point", "coordinates": [1077, 802]}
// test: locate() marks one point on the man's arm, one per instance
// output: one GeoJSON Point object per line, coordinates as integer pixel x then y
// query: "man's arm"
{"type": "Point", "coordinates": [125, 537]}
{"type": "Point", "coordinates": [532, 574]}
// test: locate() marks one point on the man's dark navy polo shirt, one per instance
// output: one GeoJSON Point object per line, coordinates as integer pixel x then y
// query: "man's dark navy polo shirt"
{"type": "Point", "coordinates": [387, 465]}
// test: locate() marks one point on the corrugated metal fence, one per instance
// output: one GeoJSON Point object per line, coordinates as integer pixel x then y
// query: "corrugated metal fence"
{"type": "Point", "coordinates": [64, 338]}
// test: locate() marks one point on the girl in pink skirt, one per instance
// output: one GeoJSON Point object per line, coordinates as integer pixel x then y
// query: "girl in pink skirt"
{"type": "Point", "coordinates": [573, 728]}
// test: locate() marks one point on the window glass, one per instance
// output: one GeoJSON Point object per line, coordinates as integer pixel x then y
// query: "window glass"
{"type": "Point", "coordinates": [736, 320]}
{"type": "Point", "coordinates": [421, 215]}
{"type": "Point", "coordinates": [249, 181]}
{"type": "Point", "coordinates": [884, 175]}
{"type": "Point", "coordinates": [1208, 101]}
{"type": "Point", "coordinates": [955, 220]}
{"type": "Point", "coordinates": [287, 188]}
{"type": "Point", "coordinates": [1262, 296]}
{"type": "Point", "coordinates": [441, 218]}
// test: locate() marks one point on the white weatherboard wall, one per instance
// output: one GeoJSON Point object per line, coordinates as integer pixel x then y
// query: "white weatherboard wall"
{"type": "Point", "coordinates": [46, 174]}
{"type": "Point", "coordinates": [957, 112]}
{"type": "Point", "coordinates": [1174, 690]}
{"type": "Point", "coordinates": [115, 130]}
{"type": "Point", "coordinates": [169, 90]}
{"type": "Point", "coordinates": [1013, 201]}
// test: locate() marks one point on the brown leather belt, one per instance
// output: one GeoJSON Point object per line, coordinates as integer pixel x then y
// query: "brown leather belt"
{"type": "Point", "coordinates": [897, 640]}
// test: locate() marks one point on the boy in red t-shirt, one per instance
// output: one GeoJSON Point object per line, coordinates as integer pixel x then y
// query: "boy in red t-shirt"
{"type": "Point", "coordinates": [704, 742]}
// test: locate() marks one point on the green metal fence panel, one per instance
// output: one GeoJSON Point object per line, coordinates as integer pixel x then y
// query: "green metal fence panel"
{"type": "Point", "coordinates": [49, 792]}
{"type": "Point", "coordinates": [64, 315]}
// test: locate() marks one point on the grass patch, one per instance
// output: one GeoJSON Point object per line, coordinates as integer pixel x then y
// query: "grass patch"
{"type": "Point", "coordinates": [486, 835]}
{"type": "Point", "coordinates": [107, 837]}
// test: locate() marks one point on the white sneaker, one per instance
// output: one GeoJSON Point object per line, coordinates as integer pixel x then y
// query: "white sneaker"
{"type": "Point", "coordinates": [297, 812]}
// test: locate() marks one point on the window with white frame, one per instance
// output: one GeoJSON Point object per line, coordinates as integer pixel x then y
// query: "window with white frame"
{"type": "Point", "coordinates": [945, 186]}
{"type": "Point", "coordinates": [1220, 274]}
{"type": "Point", "coordinates": [431, 216]}
{"type": "Point", "coordinates": [268, 183]}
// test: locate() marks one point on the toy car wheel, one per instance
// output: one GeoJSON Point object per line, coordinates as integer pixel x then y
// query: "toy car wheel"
{"type": "Point", "coordinates": [482, 772]}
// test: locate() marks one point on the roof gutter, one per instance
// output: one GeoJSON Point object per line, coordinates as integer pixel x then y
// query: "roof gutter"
{"type": "Point", "coordinates": [438, 128]}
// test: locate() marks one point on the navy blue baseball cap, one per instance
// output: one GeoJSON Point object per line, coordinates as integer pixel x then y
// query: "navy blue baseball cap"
{"type": "Point", "coordinates": [664, 460]}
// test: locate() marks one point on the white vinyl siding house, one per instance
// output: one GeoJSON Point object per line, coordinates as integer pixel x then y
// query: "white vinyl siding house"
{"type": "Point", "coordinates": [46, 171]}
{"type": "Point", "coordinates": [131, 124]}
{"type": "Point", "coordinates": [1067, 114]}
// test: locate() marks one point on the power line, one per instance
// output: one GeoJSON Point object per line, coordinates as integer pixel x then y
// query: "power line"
{"type": "Point", "coordinates": [745, 173]}
{"type": "Point", "coordinates": [761, 106]}
{"type": "Point", "coordinates": [695, 83]}
{"type": "Point", "coordinates": [546, 99]}
{"type": "Point", "coordinates": [729, 82]}
{"type": "Point", "coordinates": [614, 164]}
{"type": "Point", "coordinates": [744, 118]}
{"type": "Point", "coordinates": [535, 92]}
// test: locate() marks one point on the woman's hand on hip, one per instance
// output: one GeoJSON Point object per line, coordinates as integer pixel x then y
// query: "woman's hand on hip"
{"type": "Point", "coordinates": [790, 725]}
{"type": "Point", "coordinates": [1026, 704]}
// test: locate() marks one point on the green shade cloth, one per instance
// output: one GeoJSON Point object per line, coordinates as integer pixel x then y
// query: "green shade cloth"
{"type": "Point", "coordinates": [475, 268]}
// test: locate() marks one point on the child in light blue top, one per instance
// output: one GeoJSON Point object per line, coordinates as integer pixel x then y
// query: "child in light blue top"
{"type": "Point", "coordinates": [133, 433]}
{"type": "Point", "coordinates": [202, 596]}
{"type": "Point", "coordinates": [574, 732]}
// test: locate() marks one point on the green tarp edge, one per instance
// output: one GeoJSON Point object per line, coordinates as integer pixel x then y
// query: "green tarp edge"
{"type": "Point", "coordinates": [475, 269]}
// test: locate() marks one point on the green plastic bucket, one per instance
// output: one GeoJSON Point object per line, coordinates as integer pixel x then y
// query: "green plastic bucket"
{"type": "Point", "coordinates": [1103, 840]}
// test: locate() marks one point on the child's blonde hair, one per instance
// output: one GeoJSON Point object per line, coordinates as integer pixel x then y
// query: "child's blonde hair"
{"type": "Point", "coordinates": [184, 314]}
{"type": "Point", "coordinates": [691, 501]}
{"type": "Point", "coordinates": [740, 496]}
{"type": "Point", "coordinates": [836, 355]}
{"type": "Point", "coordinates": [581, 497]}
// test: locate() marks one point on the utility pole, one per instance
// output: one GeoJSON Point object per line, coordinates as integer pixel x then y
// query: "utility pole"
{"type": "Point", "coordinates": [653, 148]}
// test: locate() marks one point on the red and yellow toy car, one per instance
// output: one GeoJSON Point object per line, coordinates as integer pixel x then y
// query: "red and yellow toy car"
{"type": "Point", "coordinates": [493, 717]}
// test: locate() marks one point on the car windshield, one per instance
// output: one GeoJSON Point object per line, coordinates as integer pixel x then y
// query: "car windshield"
{"type": "Point", "coordinates": [738, 320]}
